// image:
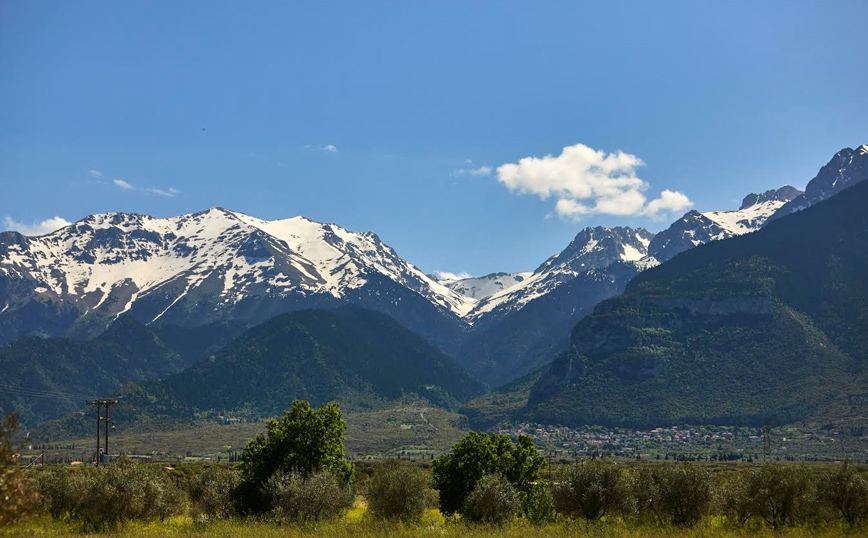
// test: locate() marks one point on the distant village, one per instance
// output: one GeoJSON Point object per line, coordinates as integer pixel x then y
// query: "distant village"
{"type": "Point", "coordinates": [681, 442]}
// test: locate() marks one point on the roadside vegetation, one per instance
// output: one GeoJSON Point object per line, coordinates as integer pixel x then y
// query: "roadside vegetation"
{"type": "Point", "coordinates": [294, 481]}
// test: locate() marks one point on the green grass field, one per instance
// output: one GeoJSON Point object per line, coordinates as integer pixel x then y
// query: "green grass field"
{"type": "Point", "coordinates": [356, 525]}
{"type": "Point", "coordinates": [411, 431]}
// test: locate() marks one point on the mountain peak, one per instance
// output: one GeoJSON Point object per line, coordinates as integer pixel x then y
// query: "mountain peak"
{"type": "Point", "coordinates": [847, 168]}
{"type": "Point", "coordinates": [783, 194]}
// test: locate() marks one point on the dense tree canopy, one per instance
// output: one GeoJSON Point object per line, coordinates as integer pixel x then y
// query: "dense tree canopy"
{"type": "Point", "coordinates": [304, 441]}
{"type": "Point", "coordinates": [479, 454]}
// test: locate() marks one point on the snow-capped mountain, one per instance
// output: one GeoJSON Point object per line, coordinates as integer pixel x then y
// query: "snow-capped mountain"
{"type": "Point", "coordinates": [481, 287]}
{"type": "Point", "coordinates": [201, 267]}
{"type": "Point", "coordinates": [847, 168]}
{"type": "Point", "coordinates": [592, 248]}
{"type": "Point", "coordinates": [695, 228]}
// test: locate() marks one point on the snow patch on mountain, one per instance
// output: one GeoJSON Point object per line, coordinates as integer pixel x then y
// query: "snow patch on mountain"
{"type": "Point", "coordinates": [128, 257]}
{"type": "Point", "coordinates": [695, 228]}
{"type": "Point", "coordinates": [485, 286]}
{"type": "Point", "coordinates": [592, 248]}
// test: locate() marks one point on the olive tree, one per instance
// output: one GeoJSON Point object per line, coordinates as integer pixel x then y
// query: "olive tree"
{"type": "Point", "coordinates": [590, 489]}
{"type": "Point", "coordinates": [398, 491]}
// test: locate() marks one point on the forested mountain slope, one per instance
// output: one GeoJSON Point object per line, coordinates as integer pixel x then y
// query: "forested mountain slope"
{"type": "Point", "coordinates": [360, 358]}
{"type": "Point", "coordinates": [772, 325]}
{"type": "Point", "coordinates": [46, 378]}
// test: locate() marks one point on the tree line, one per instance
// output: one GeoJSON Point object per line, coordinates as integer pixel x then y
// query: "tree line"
{"type": "Point", "coordinates": [296, 472]}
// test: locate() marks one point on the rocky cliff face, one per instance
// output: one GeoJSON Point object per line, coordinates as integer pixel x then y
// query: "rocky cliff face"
{"type": "Point", "coordinates": [847, 168]}
{"type": "Point", "coordinates": [695, 228]}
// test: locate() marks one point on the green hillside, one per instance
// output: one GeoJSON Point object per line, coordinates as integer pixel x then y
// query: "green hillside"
{"type": "Point", "coordinates": [768, 326]}
{"type": "Point", "coordinates": [46, 378]}
{"type": "Point", "coordinates": [363, 359]}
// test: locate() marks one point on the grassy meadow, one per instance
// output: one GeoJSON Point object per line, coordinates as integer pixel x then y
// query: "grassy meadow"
{"type": "Point", "coordinates": [356, 525]}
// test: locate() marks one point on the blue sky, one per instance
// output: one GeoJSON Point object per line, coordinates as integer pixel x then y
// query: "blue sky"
{"type": "Point", "coordinates": [397, 116]}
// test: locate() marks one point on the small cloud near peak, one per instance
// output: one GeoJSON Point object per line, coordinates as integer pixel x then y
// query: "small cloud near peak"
{"type": "Point", "coordinates": [446, 275]}
{"type": "Point", "coordinates": [35, 228]}
{"type": "Point", "coordinates": [585, 182]}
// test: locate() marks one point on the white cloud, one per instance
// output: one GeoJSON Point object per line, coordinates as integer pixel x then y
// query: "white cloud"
{"type": "Point", "coordinates": [476, 172]}
{"type": "Point", "coordinates": [588, 182]}
{"type": "Point", "coordinates": [471, 170]}
{"type": "Point", "coordinates": [446, 275]}
{"type": "Point", "coordinates": [37, 227]}
{"type": "Point", "coordinates": [669, 201]}
{"type": "Point", "coordinates": [328, 148]}
{"type": "Point", "coordinates": [168, 193]}
{"type": "Point", "coordinates": [95, 173]}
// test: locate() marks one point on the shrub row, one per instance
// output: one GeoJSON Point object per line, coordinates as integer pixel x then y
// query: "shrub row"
{"type": "Point", "coordinates": [678, 494]}
{"type": "Point", "coordinates": [681, 494]}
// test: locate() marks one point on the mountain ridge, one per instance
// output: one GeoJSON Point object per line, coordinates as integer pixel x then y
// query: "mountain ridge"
{"type": "Point", "coordinates": [739, 331]}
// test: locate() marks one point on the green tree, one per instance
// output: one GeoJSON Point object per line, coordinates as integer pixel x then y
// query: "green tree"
{"type": "Point", "coordinates": [210, 492]}
{"type": "Point", "coordinates": [846, 491]}
{"type": "Point", "coordinates": [678, 493]}
{"type": "Point", "coordinates": [591, 490]}
{"type": "Point", "coordinates": [479, 454]}
{"type": "Point", "coordinates": [304, 441]}
{"type": "Point", "coordinates": [493, 501]}
{"type": "Point", "coordinates": [780, 493]}
{"type": "Point", "coordinates": [317, 497]}
{"type": "Point", "coordinates": [399, 491]}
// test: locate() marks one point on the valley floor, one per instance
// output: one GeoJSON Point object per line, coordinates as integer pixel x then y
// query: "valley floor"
{"type": "Point", "coordinates": [410, 432]}
{"type": "Point", "coordinates": [421, 433]}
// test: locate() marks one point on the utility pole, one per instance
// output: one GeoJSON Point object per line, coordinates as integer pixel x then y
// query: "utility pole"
{"type": "Point", "coordinates": [99, 403]}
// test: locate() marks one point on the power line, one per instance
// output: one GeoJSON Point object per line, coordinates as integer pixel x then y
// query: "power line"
{"type": "Point", "coordinates": [39, 393]}
{"type": "Point", "coordinates": [46, 392]}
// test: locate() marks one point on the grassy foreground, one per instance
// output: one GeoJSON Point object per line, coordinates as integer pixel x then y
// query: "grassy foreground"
{"type": "Point", "coordinates": [357, 526]}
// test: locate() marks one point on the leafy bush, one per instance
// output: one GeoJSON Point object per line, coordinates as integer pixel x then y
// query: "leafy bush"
{"type": "Point", "coordinates": [479, 454]}
{"type": "Point", "coordinates": [18, 498]}
{"type": "Point", "coordinates": [678, 494]}
{"type": "Point", "coordinates": [780, 494]}
{"type": "Point", "coordinates": [61, 489]}
{"type": "Point", "coordinates": [399, 491]}
{"type": "Point", "coordinates": [494, 501]}
{"type": "Point", "coordinates": [105, 497]}
{"type": "Point", "coordinates": [294, 497]}
{"type": "Point", "coordinates": [304, 441]}
{"type": "Point", "coordinates": [591, 490]}
{"type": "Point", "coordinates": [846, 492]}
{"type": "Point", "coordinates": [735, 499]}
{"type": "Point", "coordinates": [211, 492]}
{"type": "Point", "coordinates": [537, 503]}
